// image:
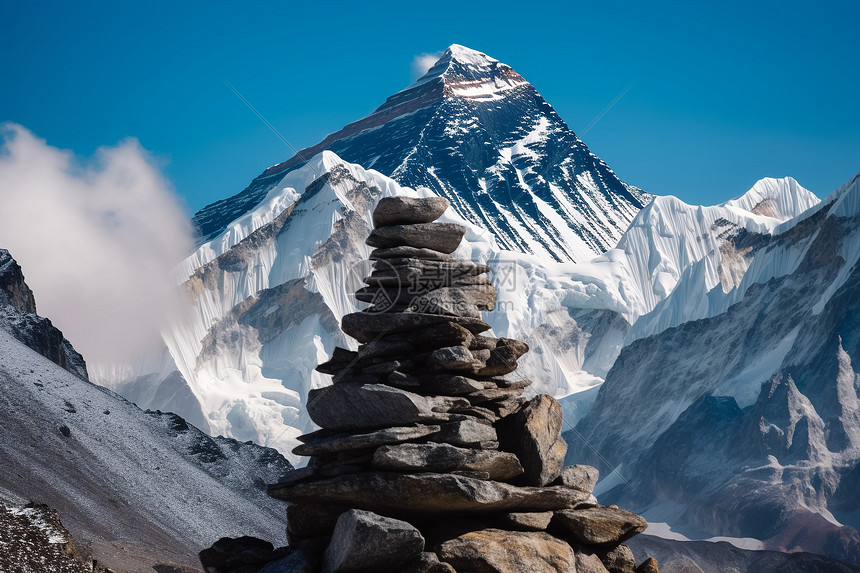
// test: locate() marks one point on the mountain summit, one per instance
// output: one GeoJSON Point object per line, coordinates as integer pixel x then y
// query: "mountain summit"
{"type": "Point", "coordinates": [474, 131]}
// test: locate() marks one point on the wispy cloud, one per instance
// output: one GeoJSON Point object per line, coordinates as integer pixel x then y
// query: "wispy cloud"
{"type": "Point", "coordinates": [97, 240]}
{"type": "Point", "coordinates": [422, 63]}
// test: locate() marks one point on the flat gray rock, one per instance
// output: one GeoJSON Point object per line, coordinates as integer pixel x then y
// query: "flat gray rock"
{"type": "Point", "coordinates": [427, 494]}
{"type": "Point", "coordinates": [349, 442]}
{"type": "Point", "coordinates": [600, 525]}
{"type": "Point", "coordinates": [448, 384]}
{"type": "Point", "coordinates": [466, 433]}
{"type": "Point", "coordinates": [370, 406]}
{"type": "Point", "coordinates": [409, 252]}
{"type": "Point", "coordinates": [457, 301]}
{"type": "Point", "coordinates": [580, 477]}
{"type": "Point", "coordinates": [365, 326]}
{"type": "Point", "coordinates": [442, 237]}
{"type": "Point", "coordinates": [534, 435]}
{"type": "Point", "coordinates": [408, 210]}
{"type": "Point", "coordinates": [531, 521]}
{"type": "Point", "coordinates": [364, 541]}
{"type": "Point", "coordinates": [445, 458]}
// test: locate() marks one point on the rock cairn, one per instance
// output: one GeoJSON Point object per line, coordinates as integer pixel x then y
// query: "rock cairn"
{"type": "Point", "coordinates": [429, 458]}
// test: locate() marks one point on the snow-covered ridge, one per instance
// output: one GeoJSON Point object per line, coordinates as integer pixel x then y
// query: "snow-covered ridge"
{"type": "Point", "coordinates": [682, 256]}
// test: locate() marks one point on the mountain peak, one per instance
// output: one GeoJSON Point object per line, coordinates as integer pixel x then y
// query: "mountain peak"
{"type": "Point", "coordinates": [468, 56]}
{"type": "Point", "coordinates": [781, 199]}
{"type": "Point", "coordinates": [468, 73]}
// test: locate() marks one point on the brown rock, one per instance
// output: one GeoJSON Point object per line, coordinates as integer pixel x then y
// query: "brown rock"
{"type": "Point", "coordinates": [499, 551]}
{"type": "Point", "coordinates": [534, 435]}
{"type": "Point", "coordinates": [600, 525]}
{"type": "Point", "coordinates": [589, 563]}
{"type": "Point", "coordinates": [648, 566]}
{"type": "Point", "coordinates": [619, 560]}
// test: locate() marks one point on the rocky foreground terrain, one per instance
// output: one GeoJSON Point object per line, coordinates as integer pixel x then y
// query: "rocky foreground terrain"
{"type": "Point", "coordinates": [137, 490]}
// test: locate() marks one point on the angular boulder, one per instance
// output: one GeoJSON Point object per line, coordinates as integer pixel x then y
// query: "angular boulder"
{"type": "Point", "coordinates": [534, 435]}
{"type": "Point", "coordinates": [365, 541]}
{"type": "Point", "coordinates": [600, 525]}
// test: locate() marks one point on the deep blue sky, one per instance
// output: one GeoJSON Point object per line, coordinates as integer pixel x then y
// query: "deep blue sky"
{"type": "Point", "coordinates": [724, 94]}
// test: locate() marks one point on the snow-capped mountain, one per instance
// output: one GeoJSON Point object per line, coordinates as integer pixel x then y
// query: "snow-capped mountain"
{"type": "Point", "coordinates": [268, 294]}
{"type": "Point", "coordinates": [474, 131]}
{"type": "Point", "coordinates": [749, 417]}
{"type": "Point", "coordinates": [132, 487]}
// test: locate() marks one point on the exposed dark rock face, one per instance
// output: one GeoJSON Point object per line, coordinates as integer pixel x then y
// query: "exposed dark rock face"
{"type": "Point", "coordinates": [18, 317]}
{"type": "Point", "coordinates": [423, 443]}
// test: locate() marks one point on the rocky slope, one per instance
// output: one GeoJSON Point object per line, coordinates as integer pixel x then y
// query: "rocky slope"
{"type": "Point", "coordinates": [475, 132]}
{"type": "Point", "coordinates": [750, 421]}
{"type": "Point", "coordinates": [134, 488]}
{"type": "Point", "coordinates": [18, 317]}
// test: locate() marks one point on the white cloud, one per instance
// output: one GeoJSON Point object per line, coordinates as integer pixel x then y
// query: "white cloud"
{"type": "Point", "coordinates": [97, 240]}
{"type": "Point", "coordinates": [422, 63]}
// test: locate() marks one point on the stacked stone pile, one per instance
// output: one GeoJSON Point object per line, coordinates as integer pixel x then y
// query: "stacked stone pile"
{"type": "Point", "coordinates": [429, 458]}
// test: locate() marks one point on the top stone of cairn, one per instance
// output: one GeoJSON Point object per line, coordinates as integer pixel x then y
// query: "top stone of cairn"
{"type": "Point", "coordinates": [408, 210]}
